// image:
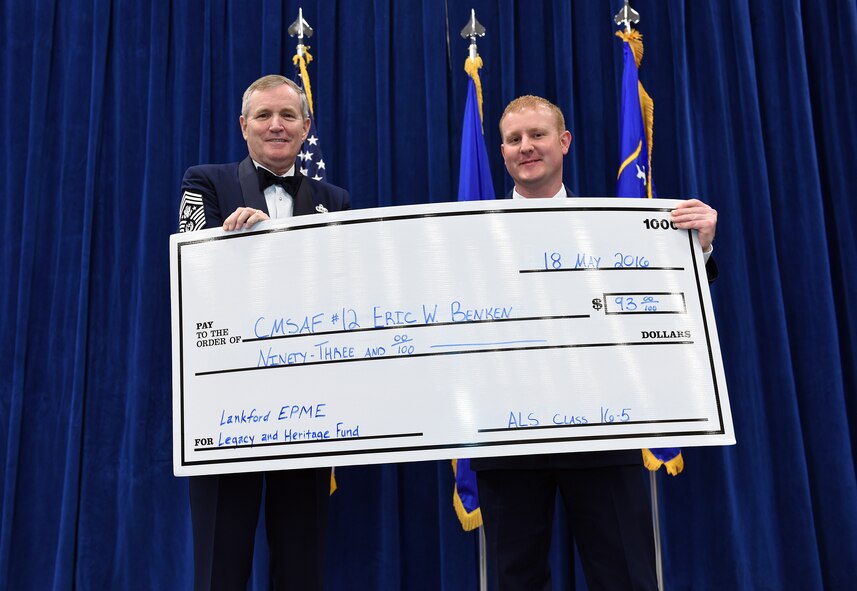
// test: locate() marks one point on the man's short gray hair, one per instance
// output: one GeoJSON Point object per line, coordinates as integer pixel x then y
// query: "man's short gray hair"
{"type": "Point", "coordinates": [273, 81]}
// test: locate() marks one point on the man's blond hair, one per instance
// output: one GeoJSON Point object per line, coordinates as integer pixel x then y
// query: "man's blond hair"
{"type": "Point", "coordinates": [529, 101]}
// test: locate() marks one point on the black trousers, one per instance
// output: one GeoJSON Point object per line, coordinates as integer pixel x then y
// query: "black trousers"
{"type": "Point", "coordinates": [609, 518]}
{"type": "Point", "coordinates": [225, 510]}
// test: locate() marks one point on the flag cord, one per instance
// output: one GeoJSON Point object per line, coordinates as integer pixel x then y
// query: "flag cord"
{"type": "Point", "coordinates": [301, 59]}
{"type": "Point", "coordinates": [472, 67]}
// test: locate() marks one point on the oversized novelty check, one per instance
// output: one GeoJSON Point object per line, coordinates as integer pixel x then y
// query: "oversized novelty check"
{"type": "Point", "coordinates": [441, 331]}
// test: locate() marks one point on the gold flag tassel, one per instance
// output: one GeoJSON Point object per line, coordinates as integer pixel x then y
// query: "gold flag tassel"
{"type": "Point", "coordinates": [472, 67]}
{"type": "Point", "coordinates": [301, 59]}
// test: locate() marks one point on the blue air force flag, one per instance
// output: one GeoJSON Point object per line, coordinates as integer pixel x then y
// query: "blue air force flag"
{"type": "Point", "coordinates": [635, 175]}
{"type": "Point", "coordinates": [474, 179]}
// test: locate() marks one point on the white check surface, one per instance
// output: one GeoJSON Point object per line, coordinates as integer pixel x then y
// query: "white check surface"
{"type": "Point", "coordinates": [440, 331]}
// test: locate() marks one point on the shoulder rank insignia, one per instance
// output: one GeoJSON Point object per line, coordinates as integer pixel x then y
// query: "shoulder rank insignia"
{"type": "Point", "coordinates": [191, 212]}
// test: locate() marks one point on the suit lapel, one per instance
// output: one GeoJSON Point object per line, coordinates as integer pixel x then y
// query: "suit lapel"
{"type": "Point", "coordinates": [304, 203]}
{"type": "Point", "coordinates": [249, 181]}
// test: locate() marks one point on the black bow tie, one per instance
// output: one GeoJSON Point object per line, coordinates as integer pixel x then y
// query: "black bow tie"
{"type": "Point", "coordinates": [290, 183]}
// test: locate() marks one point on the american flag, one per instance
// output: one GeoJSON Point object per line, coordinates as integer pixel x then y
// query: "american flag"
{"type": "Point", "coordinates": [310, 158]}
{"type": "Point", "coordinates": [311, 161]}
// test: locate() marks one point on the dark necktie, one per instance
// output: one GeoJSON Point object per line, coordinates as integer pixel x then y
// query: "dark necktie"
{"type": "Point", "coordinates": [290, 183]}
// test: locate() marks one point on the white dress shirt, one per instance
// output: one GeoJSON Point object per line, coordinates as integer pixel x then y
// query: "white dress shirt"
{"type": "Point", "coordinates": [280, 203]}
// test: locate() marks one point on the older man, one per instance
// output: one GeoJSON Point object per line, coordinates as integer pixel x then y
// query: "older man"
{"type": "Point", "coordinates": [225, 508]}
{"type": "Point", "coordinates": [603, 493]}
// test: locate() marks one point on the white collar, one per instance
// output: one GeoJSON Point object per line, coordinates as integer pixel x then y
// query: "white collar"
{"type": "Point", "coordinates": [561, 194]}
{"type": "Point", "coordinates": [289, 172]}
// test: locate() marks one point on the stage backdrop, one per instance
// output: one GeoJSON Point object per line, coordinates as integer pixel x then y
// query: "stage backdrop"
{"type": "Point", "coordinates": [107, 103]}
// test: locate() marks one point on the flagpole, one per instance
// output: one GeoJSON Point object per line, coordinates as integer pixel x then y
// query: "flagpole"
{"type": "Point", "coordinates": [656, 526]}
{"type": "Point", "coordinates": [471, 31]}
{"type": "Point", "coordinates": [312, 163]}
{"type": "Point", "coordinates": [483, 561]}
{"type": "Point", "coordinates": [301, 29]}
{"type": "Point", "coordinates": [625, 17]}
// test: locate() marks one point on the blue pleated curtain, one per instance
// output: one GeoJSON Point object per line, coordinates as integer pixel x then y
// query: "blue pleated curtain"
{"type": "Point", "coordinates": [107, 103]}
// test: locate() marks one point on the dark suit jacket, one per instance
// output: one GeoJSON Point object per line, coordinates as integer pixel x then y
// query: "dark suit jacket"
{"type": "Point", "coordinates": [580, 460]}
{"type": "Point", "coordinates": [225, 508]}
{"type": "Point", "coordinates": [220, 189]}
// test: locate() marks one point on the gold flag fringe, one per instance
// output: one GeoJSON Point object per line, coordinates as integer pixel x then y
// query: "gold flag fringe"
{"type": "Point", "coordinates": [674, 466]}
{"type": "Point", "coordinates": [469, 521]}
{"type": "Point", "coordinates": [635, 39]}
